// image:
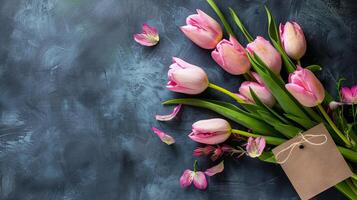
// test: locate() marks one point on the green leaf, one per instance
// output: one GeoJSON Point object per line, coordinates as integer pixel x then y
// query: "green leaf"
{"type": "Point", "coordinates": [240, 25]}
{"type": "Point", "coordinates": [287, 130]}
{"type": "Point", "coordinates": [221, 16]}
{"type": "Point", "coordinates": [235, 108]}
{"type": "Point", "coordinates": [265, 107]}
{"type": "Point", "coordinates": [240, 116]}
{"type": "Point", "coordinates": [267, 157]}
{"type": "Point", "coordinates": [348, 154]}
{"type": "Point", "coordinates": [314, 68]}
{"type": "Point", "coordinates": [303, 122]}
{"type": "Point", "coordinates": [346, 190]}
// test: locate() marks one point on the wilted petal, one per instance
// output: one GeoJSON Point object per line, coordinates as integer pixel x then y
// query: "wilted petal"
{"type": "Point", "coordinates": [255, 146]}
{"type": "Point", "coordinates": [186, 178]}
{"type": "Point", "coordinates": [215, 169]}
{"type": "Point", "coordinates": [199, 180]}
{"type": "Point", "coordinates": [169, 116]}
{"type": "Point", "coordinates": [167, 139]}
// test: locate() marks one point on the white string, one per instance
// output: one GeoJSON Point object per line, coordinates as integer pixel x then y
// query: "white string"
{"type": "Point", "coordinates": [304, 138]}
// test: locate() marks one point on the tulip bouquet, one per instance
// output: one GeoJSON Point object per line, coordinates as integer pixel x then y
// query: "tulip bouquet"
{"type": "Point", "coordinates": [271, 107]}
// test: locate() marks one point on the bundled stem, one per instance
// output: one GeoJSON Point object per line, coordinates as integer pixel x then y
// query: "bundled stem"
{"type": "Point", "coordinates": [334, 127]}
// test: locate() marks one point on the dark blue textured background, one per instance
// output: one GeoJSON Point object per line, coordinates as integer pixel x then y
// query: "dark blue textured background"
{"type": "Point", "coordinates": [78, 96]}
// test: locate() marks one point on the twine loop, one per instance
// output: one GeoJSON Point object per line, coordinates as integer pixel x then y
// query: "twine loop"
{"type": "Point", "coordinates": [304, 139]}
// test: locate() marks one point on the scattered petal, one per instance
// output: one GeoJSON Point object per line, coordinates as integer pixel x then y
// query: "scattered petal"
{"type": "Point", "coordinates": [215, 169]}
{"type": "Point", "coordinates": [169, 116]}
{"type": "Point", "coordinates": [167, 139]}
{"type": "Point", "coordinates": [148, 37]}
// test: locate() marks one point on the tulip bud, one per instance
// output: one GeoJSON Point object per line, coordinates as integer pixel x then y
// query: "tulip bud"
{"type": "Point", "coordinates": [203, 30]}
{"type": "Point", "coordinates": [210, 131]}
{"type": "Point", "coordinates": [231, 56]}
{"type": "Point", "coordinates": [349, 95]}
{"type": "Point", "coordinates": [186, 78]}
{"type": "Point", "coordinates": [259, 89]}
{"type": "Point", "coordinates": [292, 39]}
{"type": "Point", "coordinates": [267, 53]}
{"type": "Point", "coordinates": [305, 87]}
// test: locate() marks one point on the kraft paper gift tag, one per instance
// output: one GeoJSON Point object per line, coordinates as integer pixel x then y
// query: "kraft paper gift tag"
{"type": "Point", "coordinates": [312, 162]}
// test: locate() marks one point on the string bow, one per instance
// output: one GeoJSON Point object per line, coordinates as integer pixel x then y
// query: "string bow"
{"type": "Point", "coordinates": [304, 139]}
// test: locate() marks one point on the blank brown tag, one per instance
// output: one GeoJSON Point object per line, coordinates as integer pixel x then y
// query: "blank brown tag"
{"type": "Point", "coordinates": [310, 168]}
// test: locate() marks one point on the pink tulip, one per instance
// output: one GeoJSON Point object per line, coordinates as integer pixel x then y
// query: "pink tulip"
{"type": "Point", "coordinates": [165, 138]}
{"type": "Point", "coordinates": [259, 89]}
{"type": "Point", "coordinates": [186, 78]}
{"type": "Point", "coordinates": [198, 178]}
{"type": "Point", "coordinates": [231, 56]}
{"type": "Point", "coordinates": [202, 30]}
{"type": "Point", "coordinates": [349, 95]}
{"type": "Point", "coordinates": [305, 87]}
{"type": "Point", "coordinates": [267, 53]}
{"type": "Point", "coordinates": [292, 39]}
{"type": "Point", "coordinates": [255, 146]}
{"type": "Point", "coordinates": [149, 36]}
{"type": "Point", "coordinates": [210, 131]}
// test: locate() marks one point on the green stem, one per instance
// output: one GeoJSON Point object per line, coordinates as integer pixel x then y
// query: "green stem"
{"type": "Point", "coordinates": [334, 127]}
{"type": "Point", "coordinates": [352, 187]}
{"type": "Point", "coordinates": [354, 113]}
{"type": "Point", "coordinates": [221, 16]}
{"type": "Point", "coordinates": [298, 62]}
{"type": "Point", "coordinates": [354, 176]}
{"type": "Point", "coordinates": [231, 94]}
{"type": "Point", "coordinates": [268, 139]}
{"type": "Point", "coordinates": [348, 153]}
{"type": "Point", "coordinates": [195, 166]}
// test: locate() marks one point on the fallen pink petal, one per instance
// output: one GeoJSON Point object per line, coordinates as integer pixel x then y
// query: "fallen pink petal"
{"type": "Point", "coordinates": [169, 117]}
{"type": "Point", "coordinates": [148, 37]}
{"type": "Point", "coordinates": [215, 169]}
{"type": "Point", "coordinates": [167, 139]}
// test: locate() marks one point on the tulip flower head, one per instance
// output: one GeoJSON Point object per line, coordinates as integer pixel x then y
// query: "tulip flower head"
{"type": "Point", "coordinates": [255, 146]}
{"type": "Point", "coordinates": [231, 56]}
{"type": "Point", "coordinates": [210, 131]}
{"type": "Point", "coordinates": [292, 39]}
{"type": "Point", "coordinates": [266, 52]}
{"type": "Point", "coordinates": [186, 78]}
{"type": "Point", "coordinates": [349, 95]}
{"type": "Point", "coordinates": [197, 177]}
{"type": "Point", "coordinates": [305, 87]}
{"type": "Point", "coordinates": [203, 151]}
{"type": "Point", "coordinates": [259, 89]}
{"type": "Point", "coordinates": [203, 30]}
{"type": "Point", "coordinates": [148, 37]}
